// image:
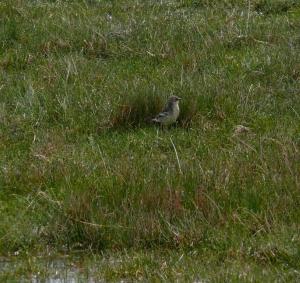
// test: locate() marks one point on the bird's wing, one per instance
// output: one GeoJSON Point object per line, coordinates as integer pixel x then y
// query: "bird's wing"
{"type": "Point", "coordinates": [160, 117]}
{"type": "Point", "coordinates": [162, 114]}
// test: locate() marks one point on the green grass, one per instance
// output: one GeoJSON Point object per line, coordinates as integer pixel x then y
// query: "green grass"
{"type": "Point", "coordinates": [82, 167]}
{"type": "Point", "coordinates": [153, 266]}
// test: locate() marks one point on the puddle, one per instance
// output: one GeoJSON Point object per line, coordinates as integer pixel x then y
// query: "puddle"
{"type": "Point", "coordinates": [44, 270]}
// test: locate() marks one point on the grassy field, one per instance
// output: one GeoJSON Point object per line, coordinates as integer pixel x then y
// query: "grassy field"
{"type": "Point", "coordinates": [83, 168]}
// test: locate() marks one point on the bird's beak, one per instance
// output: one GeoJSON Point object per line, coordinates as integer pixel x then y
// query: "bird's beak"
{"type": "Point", "coordinates": [179, 98]}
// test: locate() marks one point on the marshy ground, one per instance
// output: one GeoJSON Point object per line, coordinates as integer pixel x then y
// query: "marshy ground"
{"type": "Point", "coordinates": [82, 168]}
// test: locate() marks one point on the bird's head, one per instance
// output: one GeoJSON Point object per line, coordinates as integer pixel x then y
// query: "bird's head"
{"type": "Point", "coordinates": [174, 99]}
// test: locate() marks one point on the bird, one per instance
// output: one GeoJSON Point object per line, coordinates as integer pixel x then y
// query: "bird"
{"type": "Point", "coordinates": [170, 112]}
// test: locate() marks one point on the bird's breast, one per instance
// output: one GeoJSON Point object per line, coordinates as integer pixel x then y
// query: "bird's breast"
{"type": "Point", "coordinates": [176, 110]}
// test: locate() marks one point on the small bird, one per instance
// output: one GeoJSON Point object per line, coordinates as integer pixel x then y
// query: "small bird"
{"type": "Point", "coordinates": [170, 112]}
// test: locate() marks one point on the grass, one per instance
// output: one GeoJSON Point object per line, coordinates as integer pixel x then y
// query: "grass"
{"type": "Point", "coordinates": [82, 167]}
